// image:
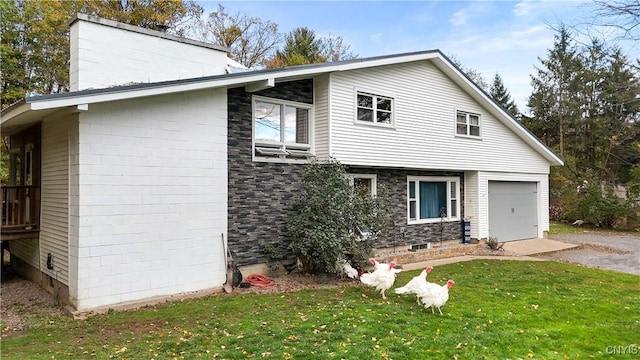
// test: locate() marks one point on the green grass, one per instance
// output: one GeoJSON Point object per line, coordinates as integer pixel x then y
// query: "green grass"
{"type": "Point", "coordinates": [497, 310]}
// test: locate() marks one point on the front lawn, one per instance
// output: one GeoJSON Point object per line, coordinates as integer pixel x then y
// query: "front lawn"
{"type": "Point", "coordinates": [497, 309]}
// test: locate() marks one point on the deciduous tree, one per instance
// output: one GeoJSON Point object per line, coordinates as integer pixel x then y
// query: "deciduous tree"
{"type": "Point", "coordinates": [250, 40]}
{"type": "Point", "coordinates": [35, 37]}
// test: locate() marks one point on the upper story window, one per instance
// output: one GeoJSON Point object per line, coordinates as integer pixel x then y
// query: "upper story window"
{"type": "Point", "coordinates": [433, 199]}
{"type": "Point", "coordinates": [375, 109]}
{"type": "Point", "coordinates": [281, 129]}
{"type": "Point", "coordinates": [467, 124]}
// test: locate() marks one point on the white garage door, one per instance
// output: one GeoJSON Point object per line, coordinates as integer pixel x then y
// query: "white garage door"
{"type": "Point", "coordinates": [513, 210]}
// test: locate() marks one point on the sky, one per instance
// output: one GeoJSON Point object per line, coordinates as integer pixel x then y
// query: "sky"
{"type": "Point", "coordinates": [504, 37]}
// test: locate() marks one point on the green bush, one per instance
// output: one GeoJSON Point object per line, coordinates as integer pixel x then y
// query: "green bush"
{"type": "Point", "coordinates": [329, 217]}
{"type": "Point", "coordinates": [595, 207]}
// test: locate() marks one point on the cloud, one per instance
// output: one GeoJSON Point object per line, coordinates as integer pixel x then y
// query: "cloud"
{"type": "Point", "coordinates": [522, 8]}
{"type": "Point", "coordinates": [460, 17]}
{"type": "Point", "coordinates": [376, 38]}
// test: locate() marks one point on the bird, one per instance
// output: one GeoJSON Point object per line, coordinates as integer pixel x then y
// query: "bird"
{"type": "Point", "coordinates": [382, 278]}
{"type": "Point", "coordinates": [347, 269]}
{"type": "Point", "coordinates": [414, 284]}
{"type": "Point", "coordinates": [434, 295]}
{"type": "Point", "coordinates": [292, 265]}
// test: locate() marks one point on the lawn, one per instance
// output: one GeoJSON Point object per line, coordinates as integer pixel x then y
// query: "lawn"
{"type": "Point", "coordinates": [497, 310]}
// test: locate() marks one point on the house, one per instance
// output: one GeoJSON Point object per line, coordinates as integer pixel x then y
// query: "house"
{"type": "Point", "coordinates": [122, 189]}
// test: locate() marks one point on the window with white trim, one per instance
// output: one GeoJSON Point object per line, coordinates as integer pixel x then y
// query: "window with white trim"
{"type": "Point", "coordinates": [432, 199]}
{"type": "Point", "coordinates": [374, 109]}
{"type": "Point", "coordinates": [281, 129]}
{"type": "Point", "coordinates": [364, 183]}
{"type": "Point", "coordinates": [467, 124]}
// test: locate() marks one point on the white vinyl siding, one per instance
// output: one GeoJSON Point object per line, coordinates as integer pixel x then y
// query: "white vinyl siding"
{"type": "Point", "coordinates": [54, 217]}
{"type": "Point", "coordinates": [425, 102]}
{"type": "Point", "coordinates": [321, 117]}
{"type": "Point", "coordinates": [476, 197]}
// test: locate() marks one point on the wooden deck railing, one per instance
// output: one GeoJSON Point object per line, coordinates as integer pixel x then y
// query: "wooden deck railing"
{"type": "Point", "coordinates": [20, 208]}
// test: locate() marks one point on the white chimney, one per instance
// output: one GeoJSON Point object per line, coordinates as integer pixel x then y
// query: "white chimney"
{"type": "Point", "coordinates": [106, 53]}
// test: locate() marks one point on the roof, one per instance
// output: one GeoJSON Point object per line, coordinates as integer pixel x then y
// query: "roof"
{"type": "Point", "coordinates": [33, 108]}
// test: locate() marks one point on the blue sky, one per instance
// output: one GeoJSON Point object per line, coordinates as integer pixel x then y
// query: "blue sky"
{"type": "Point", "coordinates": [504, 37]}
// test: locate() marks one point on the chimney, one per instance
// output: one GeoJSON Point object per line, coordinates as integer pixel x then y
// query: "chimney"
{"type": "Point", "coordinates": [106, 53]}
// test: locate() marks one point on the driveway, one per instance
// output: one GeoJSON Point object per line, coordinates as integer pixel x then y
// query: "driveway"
{"type": "Point", "coordinates": [603, 250]}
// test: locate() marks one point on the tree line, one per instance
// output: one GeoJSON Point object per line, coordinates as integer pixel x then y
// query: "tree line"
{"type": "Point", "coordinates": [585, 103]}
{"type": "Point", "coordinates": [35, 38]}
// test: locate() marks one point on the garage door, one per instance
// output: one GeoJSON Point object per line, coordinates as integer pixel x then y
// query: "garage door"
{"type": "Point", "coordinates": [513, 210]}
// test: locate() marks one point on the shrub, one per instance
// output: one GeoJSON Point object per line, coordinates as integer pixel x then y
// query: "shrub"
{"type": "Point", "coordinates": [493, 244]}
{"type": "Point", "coordinates": [597, 208]}
{"type": "Point", "coordinates": [329, 217]}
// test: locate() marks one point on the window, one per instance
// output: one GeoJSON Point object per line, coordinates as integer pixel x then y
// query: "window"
{"type": "Point", "coordinates": [467, 124]}
{"type": "Point", "coordinates": [281, 129]}
{"type": "Point", "coordinates": [374, 109]}
{"type": "Point", "coordinates": [431, 199]}
{"type": "Point", "coordinates": [364, 183]}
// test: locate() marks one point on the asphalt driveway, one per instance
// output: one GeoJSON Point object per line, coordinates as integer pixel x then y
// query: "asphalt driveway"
{"type": "Point", "coordinates": [603, 250]}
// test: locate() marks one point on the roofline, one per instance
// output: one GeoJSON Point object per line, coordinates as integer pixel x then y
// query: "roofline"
{"type": "Point", "coordinates": [116, 93]}
{"type": "Point", "coordinates": [140, 30]}
{"type": "Point", "coordinates": [199, 83]}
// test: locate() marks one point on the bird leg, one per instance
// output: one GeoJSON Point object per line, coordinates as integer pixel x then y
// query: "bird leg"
{"type": "Point", "coordinates": [432, 311]}
{"type": "Point", "coordinates": [440, 311]}
{"type": "Point", "coordinates": [383, 296]}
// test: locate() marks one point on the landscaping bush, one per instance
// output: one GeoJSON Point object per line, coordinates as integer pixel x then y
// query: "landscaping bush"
{"type": "Point", "coordinates": [329, 218]}
{"type": "Point", "coordinates": [598, 205]}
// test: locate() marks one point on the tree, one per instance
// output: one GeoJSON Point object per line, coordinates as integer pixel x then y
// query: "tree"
{"type": "Point", "coordinates": [250, 40]}
{"type": "Point", "coordinates": [327, 218]}
{"type": "Point", "coordinates": [35, 37]}
{"type": "Point", "coordinates": [620, 14]}
{"type": "Point", "coordinates": [554, 103]}
{"type": "Point", "coordinates": [472, 74]}
{"type": "Point", "coordinates": [501, 95]}
{"type": "Point", "coordinates": [302, 47]}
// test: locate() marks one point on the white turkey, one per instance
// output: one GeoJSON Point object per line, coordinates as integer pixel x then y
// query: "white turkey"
{"type": "Point", "coordinates": [347, 269]}
{"type": "Point", "coordinates": [382, 278]}
{"type": "Point", "coordinates": [433, 295]}
{"type": "Point", "coordinates": [415, 283]}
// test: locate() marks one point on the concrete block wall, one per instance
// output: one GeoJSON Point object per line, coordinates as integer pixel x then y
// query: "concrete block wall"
{"type": "Point", "coordinates": [151, 198]}
{"type": "Point", "coordinates": [106, 53]}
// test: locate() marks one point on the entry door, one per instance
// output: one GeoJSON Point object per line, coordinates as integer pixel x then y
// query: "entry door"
{"type": "Point", "coordinates": [513, 210]}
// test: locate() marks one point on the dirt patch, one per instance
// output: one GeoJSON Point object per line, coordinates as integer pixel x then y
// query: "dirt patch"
{"type": "Point", "coordinates": [23, 300]}
{"type": "Point", "coordinates": [294, 282]}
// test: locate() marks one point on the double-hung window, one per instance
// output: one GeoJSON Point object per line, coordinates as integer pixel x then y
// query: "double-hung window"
{"type": "Point", "coordinates": [281, 129]}
{"type": "Point", "coordinates": [467, 124]}
{"type": "Point", "coordinates": [374, 109]}
{"type": "Point", "coordinates": [433, 199]}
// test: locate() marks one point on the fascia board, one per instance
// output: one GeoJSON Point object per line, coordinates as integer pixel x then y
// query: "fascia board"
{"type": "Point", "coordinates": [197, 84]}
{"type": "Point", "coordinates": [15, 111]}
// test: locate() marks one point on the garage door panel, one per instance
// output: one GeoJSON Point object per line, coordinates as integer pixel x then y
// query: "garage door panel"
{"type": "Point", "coordinates": [513, 210]}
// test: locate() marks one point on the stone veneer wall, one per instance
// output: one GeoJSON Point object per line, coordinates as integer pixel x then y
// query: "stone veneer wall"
{"type": "Point", "coordinates": [260, 193]}
{"type": "Point", "coordinates": [395, 181]}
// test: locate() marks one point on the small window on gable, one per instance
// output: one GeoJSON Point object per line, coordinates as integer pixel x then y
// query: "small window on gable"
{"type": "Point", "coordinates": [374, 109]}
{"type": "Point", "coordinates": [467, 124]}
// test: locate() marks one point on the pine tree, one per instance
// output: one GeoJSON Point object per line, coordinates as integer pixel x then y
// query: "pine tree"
{"type": "Point", "coordinates": [554, 104]}
{"type": "Point", "coordinates": [501, 95]}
